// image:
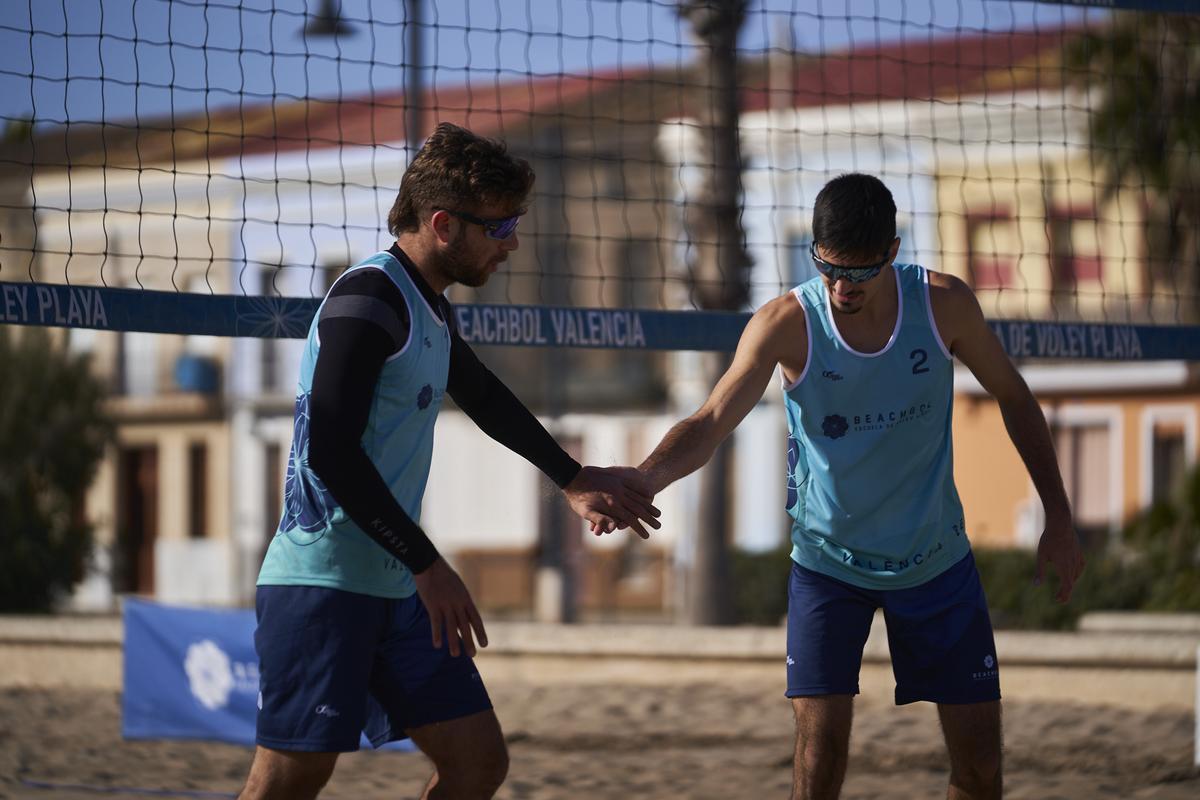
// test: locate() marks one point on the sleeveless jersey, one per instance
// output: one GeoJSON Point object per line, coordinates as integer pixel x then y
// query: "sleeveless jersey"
{"type": "Point", "coordinates": [870, 470]}
{"type": "Point", "coordinates": [317, 544]}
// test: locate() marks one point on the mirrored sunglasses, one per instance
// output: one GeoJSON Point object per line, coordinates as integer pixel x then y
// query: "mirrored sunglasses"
{"type": "Point", "coordinates": [498, 229]}
{"type": "Point", "coordinates": [853, 274]}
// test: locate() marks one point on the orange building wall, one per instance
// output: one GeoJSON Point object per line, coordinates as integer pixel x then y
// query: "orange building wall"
{"type": "Point", "coordinates": [992, 480]}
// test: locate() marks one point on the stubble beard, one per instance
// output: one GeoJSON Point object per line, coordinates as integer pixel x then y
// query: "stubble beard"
{"type": "Point", "coordinates": [842, 309]}
{"type": "Point", "coordinates": [456, 264]}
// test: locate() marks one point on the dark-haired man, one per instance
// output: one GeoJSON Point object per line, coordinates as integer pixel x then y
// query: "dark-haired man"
{"type": "Point", "coordinates": [865, 354]}
{"type": "Point", "coordinates": [362, 626]}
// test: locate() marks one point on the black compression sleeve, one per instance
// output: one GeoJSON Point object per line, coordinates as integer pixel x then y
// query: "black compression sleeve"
{"type": "Point", "coordinates": [498, 413]}
{"type": "Point", "coordinates": [352, 355]}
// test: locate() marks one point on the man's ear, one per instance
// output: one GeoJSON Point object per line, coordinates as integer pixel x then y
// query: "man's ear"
{"type": "Point", "coordinates": [441, 223]}
{"type": "Point", "coordinates": [894, 250]}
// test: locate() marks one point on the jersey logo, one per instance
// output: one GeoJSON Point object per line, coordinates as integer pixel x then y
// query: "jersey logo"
{"type": "Point", "coordinates": [793, 458]}
{"type": "Point", "coordinates": [427, 342]}
{"type": "Point", "coordinates": [834, 426]}
{"type": "Point", "coordinates": [308, 505]}
{"type": "Point", "coordinates": [833, 376]}
{"type": "Point", "coordinates": [425, 397]}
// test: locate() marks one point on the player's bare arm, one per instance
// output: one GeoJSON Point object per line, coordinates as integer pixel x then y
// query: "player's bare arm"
{"type": "Point", "coordinates": [613, 498]}
{"type": "Point", "coordinates": [964, 330]}
{"type": "Point", "coordinates": [776, 334]}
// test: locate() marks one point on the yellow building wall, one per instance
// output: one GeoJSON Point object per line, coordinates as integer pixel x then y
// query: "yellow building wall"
{"type": "Point", "coordinates": [1023, 193]}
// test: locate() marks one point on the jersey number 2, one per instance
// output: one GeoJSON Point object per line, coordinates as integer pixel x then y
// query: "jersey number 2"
{"type": "Point", "coordinates": [919, 357]}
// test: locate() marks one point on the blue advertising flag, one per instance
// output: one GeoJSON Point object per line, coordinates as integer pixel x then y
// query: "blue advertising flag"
{"type": "Point", "coordinates": [192, 673]}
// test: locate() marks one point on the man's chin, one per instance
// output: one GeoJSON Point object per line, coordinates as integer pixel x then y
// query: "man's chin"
{"type": "Point", "coordinates": [475, 281]}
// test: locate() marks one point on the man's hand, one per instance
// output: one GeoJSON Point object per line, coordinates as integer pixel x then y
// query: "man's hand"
{"type": "Point", "coordinates": [1060, 547]}
{"type": "Point", "coordinates": [449, 604]}
{"type": "Point", "coordinates": [612, 498]}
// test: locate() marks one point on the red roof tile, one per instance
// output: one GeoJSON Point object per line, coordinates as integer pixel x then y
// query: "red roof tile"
{"type": "Point", "coordinates": [941, 66]}
{"type": "Point", "coordinates": [915, 69]}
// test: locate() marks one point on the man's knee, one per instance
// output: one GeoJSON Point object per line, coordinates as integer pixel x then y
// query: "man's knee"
{"type": "Point", "coordinates": [979, 775]}
{"type": "Point", "coordinates": [486, 771]}
{"type": "Point", "coordinates": [821, 748]}
{"type": "Point", "coordinates": [822, 745]}
{"type": "Point", "coordinates": [494, 770]}
{"type": "Point", "coordinates": [973, 737]}
{"type": "Point", "coordinates": [280, 774]}
{"type": "Point", "coordinates": [479, 776]}
{"type": "Point", "coordinates": [823, 727]}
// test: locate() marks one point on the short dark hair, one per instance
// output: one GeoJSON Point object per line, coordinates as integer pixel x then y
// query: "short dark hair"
{"type": "Point", "coordinates": [855, 216]}
{"type": "Point", "coordinates": [456, 169]}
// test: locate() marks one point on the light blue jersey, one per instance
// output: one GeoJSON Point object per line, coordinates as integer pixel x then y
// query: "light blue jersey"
{"type": "Point", "coordinates": [317, 544]}
{"type": "Point", "coordinates": [870, 471]}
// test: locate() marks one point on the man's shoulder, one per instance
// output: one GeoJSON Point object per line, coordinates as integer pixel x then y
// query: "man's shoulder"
{"type": "Point", "coordinates": [367, 294]}
{"type": "Point", "coordinates": [954, 306]}
{"type": "Point", "coordinates": [780, 322]}
{"type": "Point", "coordinates": [946, 285]}
{"type": "Point", "coordinates": [365, 279]}
{"type": "Point", "coordinates": [784, 307]}
{"type": "Point", "coordinates": [783, 313]}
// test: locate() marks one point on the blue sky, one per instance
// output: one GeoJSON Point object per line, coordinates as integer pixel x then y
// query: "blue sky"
{"type": "Point", "coordinates": [117, 59]}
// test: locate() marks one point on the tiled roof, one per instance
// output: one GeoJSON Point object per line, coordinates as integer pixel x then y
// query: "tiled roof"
{"type": "Point", "coordinates": [518, 106]}
{"type": "Point", "coordinates": [914, 69]}
{"type": "Point", "coordinates": [502, 107]}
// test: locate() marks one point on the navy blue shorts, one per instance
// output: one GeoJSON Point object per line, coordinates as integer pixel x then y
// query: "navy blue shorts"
{"type": "Point", "coordinates": [939, 634]}
{"type": "Point", "coordinates": [335, 665]}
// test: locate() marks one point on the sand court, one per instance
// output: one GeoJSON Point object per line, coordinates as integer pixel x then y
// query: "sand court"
{"type": "Point", "coordinates": [642, 723]}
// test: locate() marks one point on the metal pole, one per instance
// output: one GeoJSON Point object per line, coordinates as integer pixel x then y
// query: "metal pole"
{"type": "Point", "coordinates": [414, 92]}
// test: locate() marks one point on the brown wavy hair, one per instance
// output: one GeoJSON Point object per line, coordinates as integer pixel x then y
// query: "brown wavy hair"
{"type": "Point", "coordinates": [456, 169]}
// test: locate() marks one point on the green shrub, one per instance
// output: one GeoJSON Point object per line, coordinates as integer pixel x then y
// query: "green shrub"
{"type": "Point", "coordinates": [1166, 540]}
{"type": "Point", "coordinates": [1156, 567]}
{"type": "Point", "coordinates": [1108, 582]}
{"type": "Point", "coordinates": [52, 435]}
{"type": "Point", "coordinates": [761, 583]}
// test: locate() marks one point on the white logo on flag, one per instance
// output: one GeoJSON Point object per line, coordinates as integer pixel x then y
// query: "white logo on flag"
{"type": "Point", "coordinates": [209, 675]}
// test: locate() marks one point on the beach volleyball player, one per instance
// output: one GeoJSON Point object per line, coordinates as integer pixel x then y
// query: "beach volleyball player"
{"type": "Point", "coordinates": [362, 626]}
{"type": "Point", "coordinates": [865, 351]}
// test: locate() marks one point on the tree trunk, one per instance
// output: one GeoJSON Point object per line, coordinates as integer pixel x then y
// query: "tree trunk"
{"type": "Point", "coordinates": [719, 279]}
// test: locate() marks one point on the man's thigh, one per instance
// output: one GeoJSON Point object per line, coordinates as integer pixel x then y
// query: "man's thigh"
{"type": "Point", "coordinates": [828, 623]}
{"type": "Point", "coordinates": [413, 684]}
{"type": "Point", "coordinates": [941, 641]}
{"type": "Point", "coordinates": [315, 648]}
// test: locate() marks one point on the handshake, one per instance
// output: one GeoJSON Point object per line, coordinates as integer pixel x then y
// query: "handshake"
{"type": "Point", "coordinates": [614, 498]}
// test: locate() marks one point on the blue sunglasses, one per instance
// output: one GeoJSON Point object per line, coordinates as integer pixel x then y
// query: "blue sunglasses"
{"type": "Point", "coordinates": [498, 229]}
{"type": "Point", "coordinates": [853, 274]}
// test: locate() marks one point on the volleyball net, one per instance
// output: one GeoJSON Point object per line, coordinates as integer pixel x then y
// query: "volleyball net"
{"type": "Point", "coordinates": [205, 167]}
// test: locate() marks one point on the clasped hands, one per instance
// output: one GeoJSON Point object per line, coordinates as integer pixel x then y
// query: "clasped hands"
{"type": "Point", "coordinates": [613, 498]}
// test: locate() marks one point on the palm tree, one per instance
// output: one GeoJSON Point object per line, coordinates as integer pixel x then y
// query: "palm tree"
{"type": "Point", "coordinates": [719, 276]}
{"type": "Point", "coordinates": [1145, 132]}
